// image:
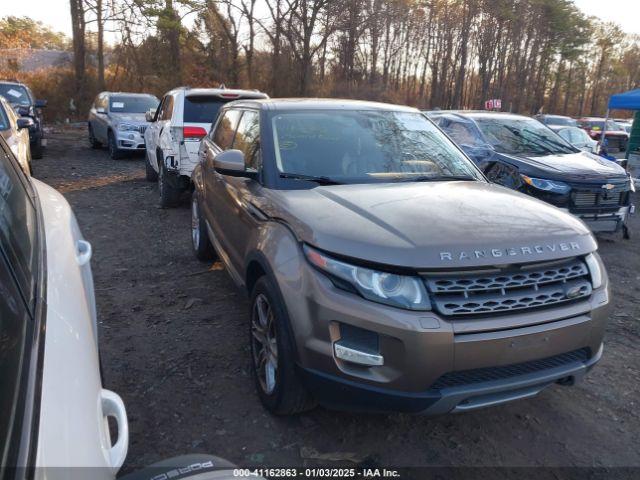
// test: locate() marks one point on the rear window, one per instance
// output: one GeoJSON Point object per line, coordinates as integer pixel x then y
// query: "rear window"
{"type": "Point", "coordinates": [201, 109]}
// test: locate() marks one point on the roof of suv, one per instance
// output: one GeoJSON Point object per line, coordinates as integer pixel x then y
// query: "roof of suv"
{"type": "Point", "coordinates": [220, 92]}
{"type": "Point", "coordinates": [130, 94]}
{"type": "Point", "coordinates": [12, 82]}
{"type": "Point", "coordinates": [321, 104]}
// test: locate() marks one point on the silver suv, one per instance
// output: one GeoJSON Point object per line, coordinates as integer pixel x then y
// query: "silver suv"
{"type": "Point", "coordinates": [117, 120]}
{"type": "Point", "coordinates": [385, 272]}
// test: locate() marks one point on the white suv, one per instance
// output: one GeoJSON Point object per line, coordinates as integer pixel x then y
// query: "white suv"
{"type": "Point", "coordinates": [172, 139]}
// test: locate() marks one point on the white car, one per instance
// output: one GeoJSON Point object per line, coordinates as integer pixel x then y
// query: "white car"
{"type": "Point", "coordinates": [172, 139]}
{"type": "Point", "coordinates": [54, 407]}
{"type": "Point", "coordinates": [576, 137]}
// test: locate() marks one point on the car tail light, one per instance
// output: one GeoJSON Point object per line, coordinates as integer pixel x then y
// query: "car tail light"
{"type": "Point", "coordinates": [193, 133]}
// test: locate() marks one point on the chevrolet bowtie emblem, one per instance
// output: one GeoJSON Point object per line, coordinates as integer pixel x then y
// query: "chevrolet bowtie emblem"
{"type": "Point", "coordinates": [608, 186]}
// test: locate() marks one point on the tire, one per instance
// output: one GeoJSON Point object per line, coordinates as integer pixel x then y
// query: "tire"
{"type": "Point", "coordinates": [37, 150]}
{"type": "Point", "coordinates": [169, 195]}
{"type": "Point", "coordinates": [93, 142]}
{"type": "Point", "coordinates": [200, 242]}
{"type": "Point", "coordinates": [272, 354]}
{"type": "Point", "coordinates": [114, 152]}
{"type": "Point", "coordinates": [151, 174]}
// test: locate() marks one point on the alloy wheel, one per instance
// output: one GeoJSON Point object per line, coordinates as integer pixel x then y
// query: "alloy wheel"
{"type": "Point", "coordinates": [264, 346]}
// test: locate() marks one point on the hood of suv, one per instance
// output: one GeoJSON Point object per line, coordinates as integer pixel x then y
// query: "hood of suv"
{"type": "Point", "coordinates": [572, 167]}
{"type": "Point", "coordinates": [430, 225]}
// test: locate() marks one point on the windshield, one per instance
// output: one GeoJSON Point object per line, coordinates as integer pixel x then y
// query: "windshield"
{"type": "Point", "coordinates": [15, 94]}
{"type": "Point", "coordinates": [131, 104]}
{"type": "Point", "coordinates": [522, 136]}
{"type": "Point", "coordinates": [365, 146]}
{"type": "Point", "coordinates": [565, 121]}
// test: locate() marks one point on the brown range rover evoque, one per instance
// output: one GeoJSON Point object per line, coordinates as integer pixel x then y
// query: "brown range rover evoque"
{"type": "Point", "coordinates": [385, 272]}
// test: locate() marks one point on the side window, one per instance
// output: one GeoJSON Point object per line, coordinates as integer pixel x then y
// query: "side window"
{"type": "Point", "coordinates": [14, 333]}
{"type": "Point", "coordinates": [247, 139]}
{"type": "Point", "coordinates": [223, 135]}
{"type": "Point", "coordinates": [17, 226]}
{"type": "Point", "coordinates": [167, 108]}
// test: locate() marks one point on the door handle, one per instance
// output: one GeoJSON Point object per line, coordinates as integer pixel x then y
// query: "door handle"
{"type": "Point", "coordinates": [112, 406]}
{"type": "Point", "coordinates": [84, 252]}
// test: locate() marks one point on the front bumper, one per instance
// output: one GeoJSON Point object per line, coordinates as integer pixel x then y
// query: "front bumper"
{"type": "Point", "coordinates": [605, 222]}
{"type": "Point", "coordinates": [130, 140]}
{"type": "Point", "coordinates": [341, 393]}
{"type": "Point", "coordinates": [421, 348]}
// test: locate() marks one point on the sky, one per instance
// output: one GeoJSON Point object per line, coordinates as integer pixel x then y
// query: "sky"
{"type": "Point", "coordinates": [55, 13]}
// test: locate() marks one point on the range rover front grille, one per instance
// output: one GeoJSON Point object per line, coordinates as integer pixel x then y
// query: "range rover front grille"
{"type": "Point", "coordinates": [509, 289]}
{"type": "Point", "coordinates": [488, 374]}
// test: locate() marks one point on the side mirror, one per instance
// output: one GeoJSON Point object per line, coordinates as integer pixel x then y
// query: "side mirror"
{"type": "Point", "coordinates": [40, 103]}
{"type": "Point", "coordinates": [230, 163]}
{"type": "Point", "coordinates": [150, 115]}
{"type": "Point", "coordinates": [25, 122]}
{"type": "Point", "coordinates": [101, 110]}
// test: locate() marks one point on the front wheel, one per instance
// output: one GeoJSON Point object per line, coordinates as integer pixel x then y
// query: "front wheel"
{"type": "Point", "coordinates": [150, 174]}
{"type": "Point", "coordinates": [199, 236]}
{"type": "Point", "coordinates": [272, 354]}
{"type": "Point", "coordinates": [114, 152]}
{"type": "Point", "coordinates": [169, 195]}
{"type": "Point", "coordinates": [93, 142]}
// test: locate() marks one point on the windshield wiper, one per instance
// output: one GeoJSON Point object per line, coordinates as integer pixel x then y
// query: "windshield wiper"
{"type": "Point", "coordinates": [321, 180]}
{"type": "Point", "coordinates": [438, 178]}
{"type": "Point", "coordinates": [551, 141]}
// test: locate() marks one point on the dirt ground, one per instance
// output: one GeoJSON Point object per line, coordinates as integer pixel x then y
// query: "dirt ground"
{"type": "Point", "coordinates": [173, 335]}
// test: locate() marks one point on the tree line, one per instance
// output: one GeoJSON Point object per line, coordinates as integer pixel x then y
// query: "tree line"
{"type": "Point", "coordinates": [535, 55]}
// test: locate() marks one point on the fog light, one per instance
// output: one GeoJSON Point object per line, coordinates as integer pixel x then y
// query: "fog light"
{"type": "Point", "coordinates": [358, 345]}
{"type": "Point", "coordinates": [360, 357]}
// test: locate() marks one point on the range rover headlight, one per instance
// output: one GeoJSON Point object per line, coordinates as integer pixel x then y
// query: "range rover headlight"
{"type": "Point", "coordinates": [595, 270]}
{"type": "Point", "coordinates": [547, 185]}
{"type": "Point", "coordinates": [127, 127]}
{"type": "Point", "coordinates": [400, 291]}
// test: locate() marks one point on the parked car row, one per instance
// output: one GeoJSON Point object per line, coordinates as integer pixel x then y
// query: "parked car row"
{"type": "Point", "coordinates": [324, 212]}
{"type": "Point", "coordinates": [387, 266]}
{"type": "Point", "coordinates": [616, 137]}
